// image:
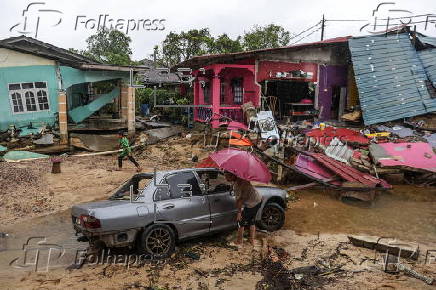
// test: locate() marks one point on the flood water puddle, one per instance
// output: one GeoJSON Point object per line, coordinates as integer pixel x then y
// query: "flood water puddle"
{"type": "Point", "coordinates": [40, 244]}
{"type": "Point", "coordinates": [407, 213]}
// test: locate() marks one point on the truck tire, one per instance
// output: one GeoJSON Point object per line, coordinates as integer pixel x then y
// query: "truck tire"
{"type": "Point", "coordinates": [158, 241]}
{"type": "Point", "coordinates": [272, 217]}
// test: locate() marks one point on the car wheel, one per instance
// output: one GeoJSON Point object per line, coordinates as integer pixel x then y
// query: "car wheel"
{"type": "Point", "coordinates": [158, 241]}
{"type": "Point", "coordinates": [272, 217]}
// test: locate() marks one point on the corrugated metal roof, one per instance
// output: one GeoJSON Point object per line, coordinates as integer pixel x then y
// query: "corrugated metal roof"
{"type": "Point", "coordinates": [428, 58]}
{"type": "Point", "coordinates": [428, 40]}
{"type": "Point", "coordinates": [33, 46]}
{"type": "Point", "coordinates": [202, 60]}
{"type": "Point", "coordinates": [390, 78]}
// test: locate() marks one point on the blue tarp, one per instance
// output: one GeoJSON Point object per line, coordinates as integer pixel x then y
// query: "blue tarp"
{"type": "Point", "coordinates": [81, 113]}
{"type": "Point", "coordinates": [20, 155]}
{"type": "Point", "coordinates": [32, 131]}
{"type": "Point", "coordinates": [390, 78]}
{"type": "Point", "coordinates": [3, 148]}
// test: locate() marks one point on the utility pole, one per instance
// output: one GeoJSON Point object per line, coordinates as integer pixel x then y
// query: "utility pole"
{"type": "Point", "coordinates": [322, 27]}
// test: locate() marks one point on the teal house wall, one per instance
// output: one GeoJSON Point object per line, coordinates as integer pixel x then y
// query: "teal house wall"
{"type": "Point", "coordinates": [20, 74]}
{"type": "Point", "coordinates": [73, 81]}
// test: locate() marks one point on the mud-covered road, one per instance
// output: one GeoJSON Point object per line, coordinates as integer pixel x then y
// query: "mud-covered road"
{"type": "Point", "coordinates": [315, 233]}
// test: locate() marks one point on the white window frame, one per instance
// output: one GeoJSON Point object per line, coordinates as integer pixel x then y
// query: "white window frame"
{"type": "Point", "coordinates": [22, 93]}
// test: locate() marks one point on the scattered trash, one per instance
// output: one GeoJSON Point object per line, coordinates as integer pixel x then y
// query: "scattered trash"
{"type": "Point", "coordinates": [154, 135]}
{"type": "Point", "coordinates": [94, 142]}
{"type": "Point", "coordinates": [46, 139]}
{"type": "Point", "coordinates": [407, 270]}
{"type": "Point", "coordinates": [400, 131]}
{"type": "Point", "coordinates": [338, 151]}
{"type": "Point", "coordinates": [267, 126]}
{"type": "Point", "coordinates": [192, 255]}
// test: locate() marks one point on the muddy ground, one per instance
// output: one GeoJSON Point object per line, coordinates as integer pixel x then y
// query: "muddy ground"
{"type": "Point", "coordinates": [34, 201]}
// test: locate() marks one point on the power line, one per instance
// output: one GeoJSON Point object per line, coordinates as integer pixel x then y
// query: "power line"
{"type": "Point", "coordinates": [389, 18]}
{"type": "Point", "coordinates": [344, 20]}
{"type": "Point", "coordinates": [426, 21]}
{"type": "Point", "coordinates": [295, 36]}
{"type": "Point", "coordinates": [306, 36]}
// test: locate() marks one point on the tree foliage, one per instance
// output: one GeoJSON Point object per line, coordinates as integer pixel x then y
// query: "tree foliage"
{"type": "Point", "coordinates": [178, 47]}
{"type": "Point", "coordinates": [113, 46]}
{"type": "Point", "coordinates": [109, 46]}
{"type": "Point", "coordinates": [269, 36]}
{"type": "Point", "coordinates": [224, 44]}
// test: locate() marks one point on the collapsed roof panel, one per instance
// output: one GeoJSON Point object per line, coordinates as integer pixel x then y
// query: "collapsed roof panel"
{"type": "Point", "coordinates": [79, 114]}
{"type": "Point", "coordinates": [390, 78]}
{"type": "Point", "coordinates": [428, 40]}
{"type": "Point", "coordinates": [428, 58]}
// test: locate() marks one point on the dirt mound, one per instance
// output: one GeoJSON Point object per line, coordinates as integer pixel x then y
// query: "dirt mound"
{"type": "Point", "coordinates": [13, 177]}
{"type": "Point", "coordinates": [23, 189]}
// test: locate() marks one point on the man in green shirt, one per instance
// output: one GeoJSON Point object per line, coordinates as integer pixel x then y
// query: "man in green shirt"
{"type": "Point", "coordinates": [127, 152]}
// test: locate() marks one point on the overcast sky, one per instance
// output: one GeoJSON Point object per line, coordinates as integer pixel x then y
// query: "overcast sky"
{"type": "Point", "coordinates": [223, 16]}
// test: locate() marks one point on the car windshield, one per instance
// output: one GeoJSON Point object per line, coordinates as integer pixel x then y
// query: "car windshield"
{"type": "Point", "coordinates": [135, 185]}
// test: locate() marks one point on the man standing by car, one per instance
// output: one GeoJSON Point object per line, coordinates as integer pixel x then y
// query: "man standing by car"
{"type": "Point", "coordinates": [127, 152]}
{"type": "Point", "coordinates": [248, 202]}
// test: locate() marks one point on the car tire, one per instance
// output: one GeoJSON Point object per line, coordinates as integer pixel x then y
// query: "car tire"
{"type": "Point", "coordinates": [272, 217]}
{"type": "Point", "coordinates": [158, 241]}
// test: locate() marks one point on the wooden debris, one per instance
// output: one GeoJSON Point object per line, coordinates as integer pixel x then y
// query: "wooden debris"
{"type": "Point", "coordinates": [385, 244]}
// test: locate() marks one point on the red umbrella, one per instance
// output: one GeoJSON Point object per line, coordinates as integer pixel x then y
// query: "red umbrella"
{"type": "Point", "coordinates": [243, 164]}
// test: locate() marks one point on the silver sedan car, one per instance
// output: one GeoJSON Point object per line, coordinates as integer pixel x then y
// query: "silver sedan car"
{"type": "Point", "coordinates": [153, 211]}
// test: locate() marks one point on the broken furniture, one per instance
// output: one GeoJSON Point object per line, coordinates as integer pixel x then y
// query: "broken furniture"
{"type": "Point", "coordinates": [298, 110]}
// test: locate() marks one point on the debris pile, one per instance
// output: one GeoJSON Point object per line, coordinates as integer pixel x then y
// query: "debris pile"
{"type": "Point", "coordinates": [358, 161]}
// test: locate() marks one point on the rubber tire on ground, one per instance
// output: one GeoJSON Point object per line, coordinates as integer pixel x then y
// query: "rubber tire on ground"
{"type": "Point", "coordinates": [142, 248]}
{"type": "Point", "coordinates": [281, 221]}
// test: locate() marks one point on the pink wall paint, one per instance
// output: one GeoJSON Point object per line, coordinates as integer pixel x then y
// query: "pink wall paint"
{"type": "Point", "coordinates": [252, 91]}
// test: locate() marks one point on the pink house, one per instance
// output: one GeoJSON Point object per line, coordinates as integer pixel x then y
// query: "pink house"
{"type": "Point", "coordinates": [302, 78]}
{"type": "Point", "coordinates": [221, 89]}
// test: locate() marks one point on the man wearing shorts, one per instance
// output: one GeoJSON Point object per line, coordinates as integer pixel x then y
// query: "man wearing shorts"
{"type": "Point", "coordinates": [248, 202]}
